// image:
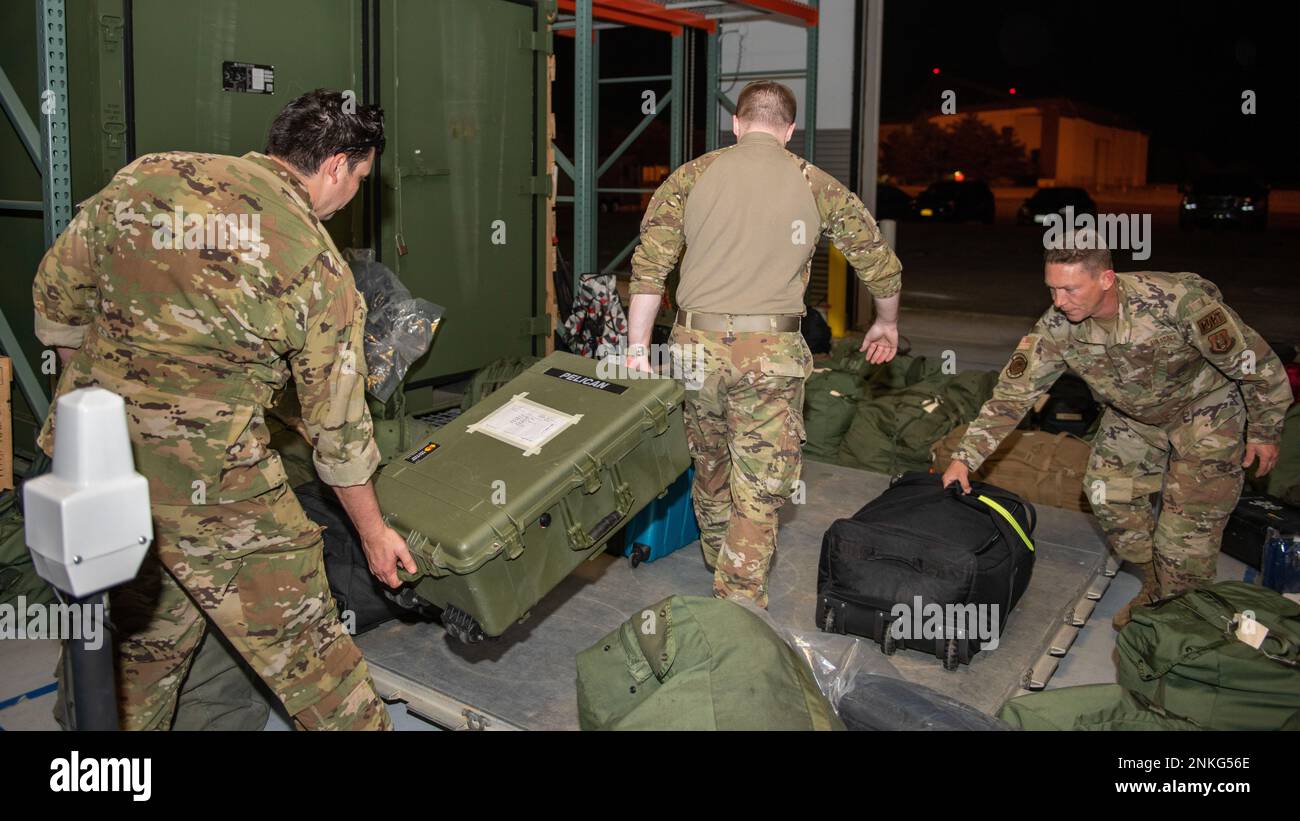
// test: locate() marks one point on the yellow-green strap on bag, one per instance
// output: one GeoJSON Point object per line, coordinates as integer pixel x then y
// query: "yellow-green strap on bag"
{"type": "Point", "coordinates": [1004, 513]}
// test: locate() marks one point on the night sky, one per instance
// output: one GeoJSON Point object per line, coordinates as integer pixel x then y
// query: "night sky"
{"type": "Point", "coordinates": [1174, 70]}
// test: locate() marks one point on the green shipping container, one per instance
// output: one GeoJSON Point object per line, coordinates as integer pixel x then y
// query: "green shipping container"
{"type": "Point", "coordinates": [457, 207]}
{"type": "Point", "coordinates": [500, 505]}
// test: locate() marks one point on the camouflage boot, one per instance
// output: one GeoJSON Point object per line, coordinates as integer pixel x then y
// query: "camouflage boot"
{"type": "Point", "coordinates": [1149, 593]}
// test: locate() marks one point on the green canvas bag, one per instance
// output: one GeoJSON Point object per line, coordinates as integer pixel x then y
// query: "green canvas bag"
{"type": "Point", "coordinates": [1183, 654]}
{"type": "Point", "coordinates": [1089, 707]}
{"type": "Point", "coordinates": [693, 663]}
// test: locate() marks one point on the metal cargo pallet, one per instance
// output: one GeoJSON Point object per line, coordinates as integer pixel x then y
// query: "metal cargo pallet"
{"type": "Point", "coordinates": [527, 678]}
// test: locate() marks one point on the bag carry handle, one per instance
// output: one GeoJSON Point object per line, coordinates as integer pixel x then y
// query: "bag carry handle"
{"type": "Point", "coordinates": [1011, 520]}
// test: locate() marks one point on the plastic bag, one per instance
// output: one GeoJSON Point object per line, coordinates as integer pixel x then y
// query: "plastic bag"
{"type": "Point", "coordinates": [399, 327]}
{"type": "Point", "coordinates": [868, 692]}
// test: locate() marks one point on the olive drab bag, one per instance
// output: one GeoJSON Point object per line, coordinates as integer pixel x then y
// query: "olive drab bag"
{"type": "Point", "coordinates": [694, 663]}
{"type": "Point", "coordinates": [493, 376]}
{"type": "Point", "coordinates": [830, 401]}
{"type": "Point", "coordinates": [1096, 707]}
{"type": "Point", "coordinates": [1187, 656]}
{"type": "Point", "coordinates": [18, 577]}
{"type": "Point", "coordinates": [894, 433]}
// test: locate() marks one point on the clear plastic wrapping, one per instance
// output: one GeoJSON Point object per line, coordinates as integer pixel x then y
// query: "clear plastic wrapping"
{"type": "Point", "coordinates": [399, 327]}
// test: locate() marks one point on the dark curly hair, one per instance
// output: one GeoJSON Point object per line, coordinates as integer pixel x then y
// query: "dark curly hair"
{"type": "Point", "coordinates": [320, 124]}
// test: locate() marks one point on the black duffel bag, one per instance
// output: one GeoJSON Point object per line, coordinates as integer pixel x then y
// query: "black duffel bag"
{"type": "Point", "coordinates": [363, 601]}
{"type": "Point", "coordinates": [921, 555]}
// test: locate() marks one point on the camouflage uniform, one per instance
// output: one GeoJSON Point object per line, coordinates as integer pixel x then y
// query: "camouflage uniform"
{"type": "Point", "coordinates": [197, 330]}
{"type": "Point", "coordinates": [739, 257]}
{"type": "Point", "coordinates": [1186, 384]}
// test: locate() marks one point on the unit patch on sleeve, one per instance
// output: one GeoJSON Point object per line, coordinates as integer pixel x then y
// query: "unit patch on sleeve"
{"type": "Point", "coordinates": [1210, 321]}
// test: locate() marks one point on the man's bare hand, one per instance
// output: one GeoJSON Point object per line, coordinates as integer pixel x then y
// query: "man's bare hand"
{"type": "Point", "coordinates": [638, 363]}
{"type": "Point", "coordinates": [1266, 454]}
{"type": "Point", "coordinates": [881, 342]}
{"type": "Point", "coordinates": [385, 549]}
{"type": "Point", "coordinates": [957, 472]}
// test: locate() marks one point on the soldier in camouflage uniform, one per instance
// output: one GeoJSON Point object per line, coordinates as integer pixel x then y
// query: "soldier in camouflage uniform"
{"type": "Point", "coordinates": [197, 286]}
{"type": "Point", "coordinates": [1188, 387]}
{"type": "Point", "coordinates": [745, 221]}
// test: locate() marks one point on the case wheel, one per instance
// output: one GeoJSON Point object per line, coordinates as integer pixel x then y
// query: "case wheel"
{"type": "Point", "coordinates": [951, 656]}
{"type": "Point", "coordinates": [888, 644]}
{"type": "Point", "coordinates": [640, 553]}
{"type": "Point", "coordinates": [461, 625]}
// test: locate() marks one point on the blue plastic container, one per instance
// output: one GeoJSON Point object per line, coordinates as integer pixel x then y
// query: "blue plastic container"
{"type": "Point", "coordinates": [1280, 566]}
{"type": "Point", "coordinates": [664, 525]}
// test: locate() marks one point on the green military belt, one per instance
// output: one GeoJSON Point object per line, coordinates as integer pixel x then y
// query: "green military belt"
{"type": "Point", "coordinates": [738, 322]}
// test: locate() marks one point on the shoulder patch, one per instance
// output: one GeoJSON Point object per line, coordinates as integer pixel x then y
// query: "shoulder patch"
{"type": "Point", "coordinates": [1222, 342]}
{"type": "Point", "coordinates": [1214, 319]}
{"type": "Point", "coordinates": [1018, 365]}
{"type": "Point", "coordinates": [1026, 343]}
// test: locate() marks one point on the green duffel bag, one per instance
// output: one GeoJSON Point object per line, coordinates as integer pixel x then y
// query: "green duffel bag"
{"type": "Point", "coordinates": [1089, 707]}
{"type": "Point", "coordinates": [1283, 481]}
{"type": "Point", "coordinates": [894, 433]}
{"type": "Point", "coordinates": [18, 576]}
{"type": "Point", "coordinates": [1183, 654]}
{"type": "Point", "coordinates": [830, 400]}
{"type": "Point", "coordinates": [695, 663]}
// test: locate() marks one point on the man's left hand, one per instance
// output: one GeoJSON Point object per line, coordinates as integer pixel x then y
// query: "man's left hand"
{"type": "Point", "coordinates": [881, 342]}
{"type": "Point", "coordinates": [1267, 455]}
{"type": "Point", "coordinates": [639, 363]}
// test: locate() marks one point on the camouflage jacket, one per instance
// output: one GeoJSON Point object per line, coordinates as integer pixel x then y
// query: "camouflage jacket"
{"type": "Point", "coordinates": [196, 286]}
{"type": "Point", "coordinates": [1174, 343]}
{"type": "Point", "coordinates": [735, 241]}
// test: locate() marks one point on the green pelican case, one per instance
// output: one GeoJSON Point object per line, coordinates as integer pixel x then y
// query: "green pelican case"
{"type": "Point", "coordinates": [502, 503]}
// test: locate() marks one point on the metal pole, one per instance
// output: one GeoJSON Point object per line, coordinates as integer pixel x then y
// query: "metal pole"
{"type": "Point", "coordinates": [810, 85]}
{"type": "Point", "coordinates": [636, 132]}
{"type": "Point", "coordinates": [679, 104]}
{"type": "Point", "coordinates": [22, 121]}
{"type": "Point", "coordinates": [869, 102]}
{"type": "Point", "coordinates": [595, 156]}
{"type": "Point", "coordinates": [93, 685]}
{"type": "Point", "coordinates": [712, 69]}
{"type": "Point", "coordinates": [56, 182]}
{"type": "Point", "coordinates": [584, 149]}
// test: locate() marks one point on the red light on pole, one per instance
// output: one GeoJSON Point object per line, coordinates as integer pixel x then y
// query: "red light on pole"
{"type": "Point", "coordinates": [1013, 89]}
{"type": "Point", "coordinates": [934, 70]}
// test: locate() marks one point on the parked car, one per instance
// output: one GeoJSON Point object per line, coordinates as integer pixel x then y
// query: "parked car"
{"type": "Point", "coordinates": [952, 201]}
{"type": "Point", "coordinates": [893, 203]}
{"type": "Point", "coordinates": [1224, 199]}
{"type": "Point", "coordinates": [1047, 201]}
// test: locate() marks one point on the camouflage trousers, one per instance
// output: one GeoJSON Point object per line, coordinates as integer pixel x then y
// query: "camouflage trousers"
{"type": "Point", "coordinates": [255, 569]}
{"type": "Point", "coordinates": [1194, 463]}
{"type": "Point", "coordinates": [744, 425]}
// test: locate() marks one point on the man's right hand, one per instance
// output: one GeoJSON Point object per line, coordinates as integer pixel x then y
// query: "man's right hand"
{"type": "Point", "coordinates": [957, 472]}
{"type": "Point", "coordinates": [385, 549]}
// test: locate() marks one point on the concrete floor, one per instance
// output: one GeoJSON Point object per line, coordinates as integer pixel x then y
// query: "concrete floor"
{"type": "Point", "coordinates": [27, 682]}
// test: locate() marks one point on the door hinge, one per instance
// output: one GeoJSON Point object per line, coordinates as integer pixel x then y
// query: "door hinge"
{"type": "Point", "coordinates": [539, 186]}
{"type": "Point", "coordinates": [535, 326]}
{"type": "Point", "coordinates": [542, 41]}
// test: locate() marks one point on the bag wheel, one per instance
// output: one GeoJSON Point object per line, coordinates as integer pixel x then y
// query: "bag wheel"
{"type": "Point", "coordinates": [640, 553]}
{"type": "Point", "coordinates": [888, 644]}
{"type": "Point", "coordinates": [951, 658]}
{"type": "Point", "coordinates": [461, 625]}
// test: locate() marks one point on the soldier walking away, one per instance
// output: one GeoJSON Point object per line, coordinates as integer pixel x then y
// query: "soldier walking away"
{"type": "Point", "coordinates": [1192, 394]}
{"type": "Point", "coordinates": [744, 221]}
{"type": "Point", "coordinates": [197, 286]}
